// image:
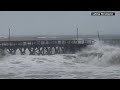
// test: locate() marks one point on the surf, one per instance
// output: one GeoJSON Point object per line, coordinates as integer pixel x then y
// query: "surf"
{"type": "Point", "coordinates": [100, 53]}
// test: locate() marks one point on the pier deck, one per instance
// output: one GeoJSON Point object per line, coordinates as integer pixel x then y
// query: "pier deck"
{"type": "Point", "coordinates": [44, 47]}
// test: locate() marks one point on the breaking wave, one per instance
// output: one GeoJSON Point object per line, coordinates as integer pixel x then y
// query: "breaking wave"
{"type": "Point", "coordinates": [100, 54]}
{"type": "Point", "coordinates": [92, 62]}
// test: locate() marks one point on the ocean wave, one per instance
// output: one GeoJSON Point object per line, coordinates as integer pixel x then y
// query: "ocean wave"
{"type": "Point", "coordinates": [92, 62]}
{"type": "Point", "coordinates": [100, 54]}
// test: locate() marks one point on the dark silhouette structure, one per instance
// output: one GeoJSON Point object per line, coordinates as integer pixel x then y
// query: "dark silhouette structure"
{"type": "Point", "coordinates": [44, 47]}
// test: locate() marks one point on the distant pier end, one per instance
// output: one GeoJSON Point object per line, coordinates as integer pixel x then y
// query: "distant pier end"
{"type": "Point", "coordinates": [45, 47]}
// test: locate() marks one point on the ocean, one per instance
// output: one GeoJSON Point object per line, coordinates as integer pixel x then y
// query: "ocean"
{"type": "Point", "coordinates": [98, 61]}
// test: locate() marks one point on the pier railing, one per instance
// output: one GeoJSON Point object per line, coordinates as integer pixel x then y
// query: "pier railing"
{"type": "Point", "coordinates": [44, 42]}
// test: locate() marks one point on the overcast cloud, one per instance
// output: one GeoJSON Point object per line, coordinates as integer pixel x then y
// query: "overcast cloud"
{"type": "Point", "coordinates": [57, 22]}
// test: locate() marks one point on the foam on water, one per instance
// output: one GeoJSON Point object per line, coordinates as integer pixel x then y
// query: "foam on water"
{"type": "Point", "coordinates": [96, 61]}
{"type": "Point", "coordinates": [100, 54]}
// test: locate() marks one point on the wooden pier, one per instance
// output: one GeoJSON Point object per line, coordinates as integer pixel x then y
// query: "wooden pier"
{"type": "Point", "coordinates": [44, 47]}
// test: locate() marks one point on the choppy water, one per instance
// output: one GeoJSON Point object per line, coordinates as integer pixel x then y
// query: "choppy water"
{"type": "Point", "coordinates": [98, 61]}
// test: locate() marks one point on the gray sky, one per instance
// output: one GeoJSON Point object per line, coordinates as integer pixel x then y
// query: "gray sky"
{"type": "Point", "coordinates": [57, 22]}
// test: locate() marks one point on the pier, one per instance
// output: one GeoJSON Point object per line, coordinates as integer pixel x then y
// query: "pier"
{"type": "Point", "coordinates": [44, 47]}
